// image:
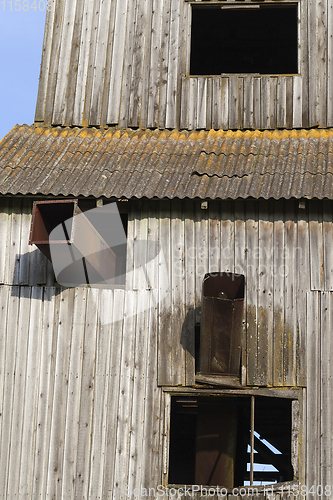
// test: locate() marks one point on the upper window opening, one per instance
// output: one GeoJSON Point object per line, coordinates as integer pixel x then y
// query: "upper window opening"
{"type": "Point", "coordinates": [260, 40]}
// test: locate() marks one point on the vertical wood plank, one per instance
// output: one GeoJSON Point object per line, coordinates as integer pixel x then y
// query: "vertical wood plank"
{"type": "Point", "coordinates": [173, 67]}
{"type": "Point", "coordinates": [24, 251]}
{"type": "Point", "coordinates": [178, 293]}
{"type": "Point", "coordinates": [279, 286]}
{"type": "Point", "coordinates": [165, 306]}
{"type": "Point", "coordinates": [290, 324]}
{"type": "Point", "coordinates": [100, 62]}
{"type": "Point", "coordinates": [289, 102]}
{"type": "Point", "coordinates": [248, 102]}
{"type": "Point", "coordinates": [201, 104]}
{"type": "Point", "coordinates": [201, 241]}
{"type": "Point", "coordinates": [13, 248]}
{"type": "Point", "coordinates": [225, 100]}
{"type": "Point", "coordinates": [155, 63]}
{"type": "Point", "coordinates": [273, 102]}
{"type": "Point", "coordinates": [233, 102]}
{"type": "Point", "coordinates": [313, 63]}
{"type": "Point", "coordinates": [125, 396]}
{"type": "Point", "coordinates": [4, 231]}
{"type": "Point", "coordinates": [322, 11]}
{"type": "Point", "coordinates": [192, 117]}
{"type": "Point", "coordinates": [265, 102]}
{"type": "Point", "coordinates": [142, 339]}
{"type": "Point", "coordinates": [116, 343]}
{"type": "Point", "coordinates": [257, 103]}
{"type": "Point", "coordinates": [117, 62]}
{"type": "Point", "coordinates": [303, 285]}
{"type": "Point", "coordinates": [74, 393]}
{"type": "Point", "coordinates": [45, 390]}
{"type": "Point", "coordinates": [216, 103]}
{"type": "Point", "coordinates": [83, 67]}
{"type": "Point", "coordinates": [265, 295]}
{"type": "Point", "coordinates": [281, 102]}
{"type": "Point", "coordinates": [31, 394]}
{"type": "Point", "coordinates": [59, 396]}
{"type": "Point", "coordinates": [185, 95]}
{"type": "Point", "coordinates": [329, 64]}
{"type": "Point", "coordinates": [326, 351]}
{"type": "Point", "coordinates": [227, 237]}
{"type": "Point", "coordinates": [48, 93]}
{"type": "Point", "coordinates": [104, 299]}
{"type": "Point", "coordinates": [312, 474]}
{"type": "Point", "coordinates": [297, 102]}
{"type": "Point", "coordinates": [63, 66]}
{"type": "Point", "coordinates": [164, 62]}
{"type": "Point", "coordinates": [88, 381]}
{"type": "Point", "coordinates": [240, 268]}
{"type": "Point", "coordinates": [15, 433]}
{"type": "Point", "coordinates": [14, 306]}
{"type": "Point", "coordinates": [327, 244]}
{"type": "Point", "coordinates": [46, 62]}
{"type": "Point", "coordinates": [252, 244]}
{"type": "Point", "coordinates": [190, 267]}
{"type": "Point", "coordinates": [316, 247]}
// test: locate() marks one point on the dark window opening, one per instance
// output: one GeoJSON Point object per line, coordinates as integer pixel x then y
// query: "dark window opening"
{"type": "Point", "coordinates": [259, 40]}
{"type": "Point", "coordinates": [219, 350]}
{"type": "Point", "coordinates": [210, 438]}
{"type": "Point", "coordinates": [86, 244]}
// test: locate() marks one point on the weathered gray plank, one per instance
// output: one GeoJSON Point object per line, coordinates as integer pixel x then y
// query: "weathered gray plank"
{"type": "Point", "coordinates": [83, 67]}
{"type": "Point", "coordinates": [265, 102]}
{"type": "Point", "coordinates": [252, 242]}
{"type": "Point", "coordinates": [329, 65]}
{"type": "Point", "coordinates": [4, 228]}
{"type": "Point", "coordinates": [164, 63]}
{"type": "Point", "coordinates": [88, 381]}
{"type": "Point", "coordinates": [316, 247]}
{"type": "Point", "coordinates": [248, 102]}
{"type": "Point", "coordinates": [74, 392]}
{"type": "Point", "coordinates": [225, 100]}
{"type": "Point", "coordinates": [59, 396]}
{"type": "Point", "coordinates": [100, 62]}
{"type": "Point", "coordinates": [101, 386]}
{"type": "Point", "coordinates": [257, 103]}
{"type": "Point", "coordinates": [155, 63]}
{"type": "Point", "coordinates": [125, 396]}
{"type": "Point", "coordinates": [279, 274]}
{"type": "Point", "coordinates": [322, 11]}
{"type": "Point", "coordinates": [201, 104]}
{"type": "Point", "coordinates": [45, 390]}
{"type": "Point", "coordinates": [116, 342]}
{"type": "Point", "coordinates": [46, 62]}
{"type": "Point", "coordinates": [48, 93]}
{"type": "Point", "coordinates": [185, 96]}
{"type": "Point", "coordinates": [297, 102]}
{"type": "Point", "coordinates": [8, 340]}
{"type": "Point", "coordinates": [15, 432]}
{"type": "Point", "coordinates": [265, 295]}
{"type": "Point", "coordinates": [327, 244]}
{"type": "Point", "coordinates": [24, 250]}
{"type": "Point", "coordinates": [281, 102]}
{"type": "Point", "coordinates": [290, 323]}
{"type": "Point", "coordinates": [190, 269]}
{"type": "Point", "coordinates": [117, 62]}
{"type": "Point", "coordinates": [173, 67]}
{"type": "Point", "coordinates": [312, 474]}
{"type": "Point", "coordinates": [31, 393]}
{"type": "Point", "coordinates": [201, 225]}
{"type": "Point", "coordinates": [63, 69]}
{"type": "Point", "coordinates": [312, 41]}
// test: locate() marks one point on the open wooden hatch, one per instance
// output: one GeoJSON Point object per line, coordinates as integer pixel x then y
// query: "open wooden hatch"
{"type": "Point", "coordinates": [76, 242]}
{"type": "Point", "coordinates": [221, 325]}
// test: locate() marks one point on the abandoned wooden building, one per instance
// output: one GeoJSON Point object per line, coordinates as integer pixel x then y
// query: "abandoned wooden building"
{"type": "Point", "coordinates": [202, 360]}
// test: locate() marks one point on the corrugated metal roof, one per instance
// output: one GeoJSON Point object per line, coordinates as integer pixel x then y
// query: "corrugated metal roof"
{"type": "Point", "coordinates": [167, 163]}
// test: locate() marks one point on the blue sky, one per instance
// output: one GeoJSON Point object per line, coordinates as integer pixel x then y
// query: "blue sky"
{"type": "Point", "coordinates": [21, 42]}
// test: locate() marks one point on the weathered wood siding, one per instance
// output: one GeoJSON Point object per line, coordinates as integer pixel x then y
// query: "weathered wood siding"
{"type": "Point", "coordinates": [284, 252]}
{"type": "Point", "coordinates": [81, 411]}
{"type": "Point", "coordinates": [126, 63]}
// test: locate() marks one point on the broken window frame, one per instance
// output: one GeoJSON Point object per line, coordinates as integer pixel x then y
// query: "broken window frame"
{"type": "Point", "coordinates": [240, 5]}
{"type": "Point", "coordinates": [297, 429]}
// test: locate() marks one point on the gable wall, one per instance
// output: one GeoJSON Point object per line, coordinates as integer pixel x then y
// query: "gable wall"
{"type": "Point", "coordinates": [126, 63]}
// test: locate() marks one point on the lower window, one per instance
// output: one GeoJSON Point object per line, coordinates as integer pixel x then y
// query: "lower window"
{"type": "Point", "coordinates": [230, 441]}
